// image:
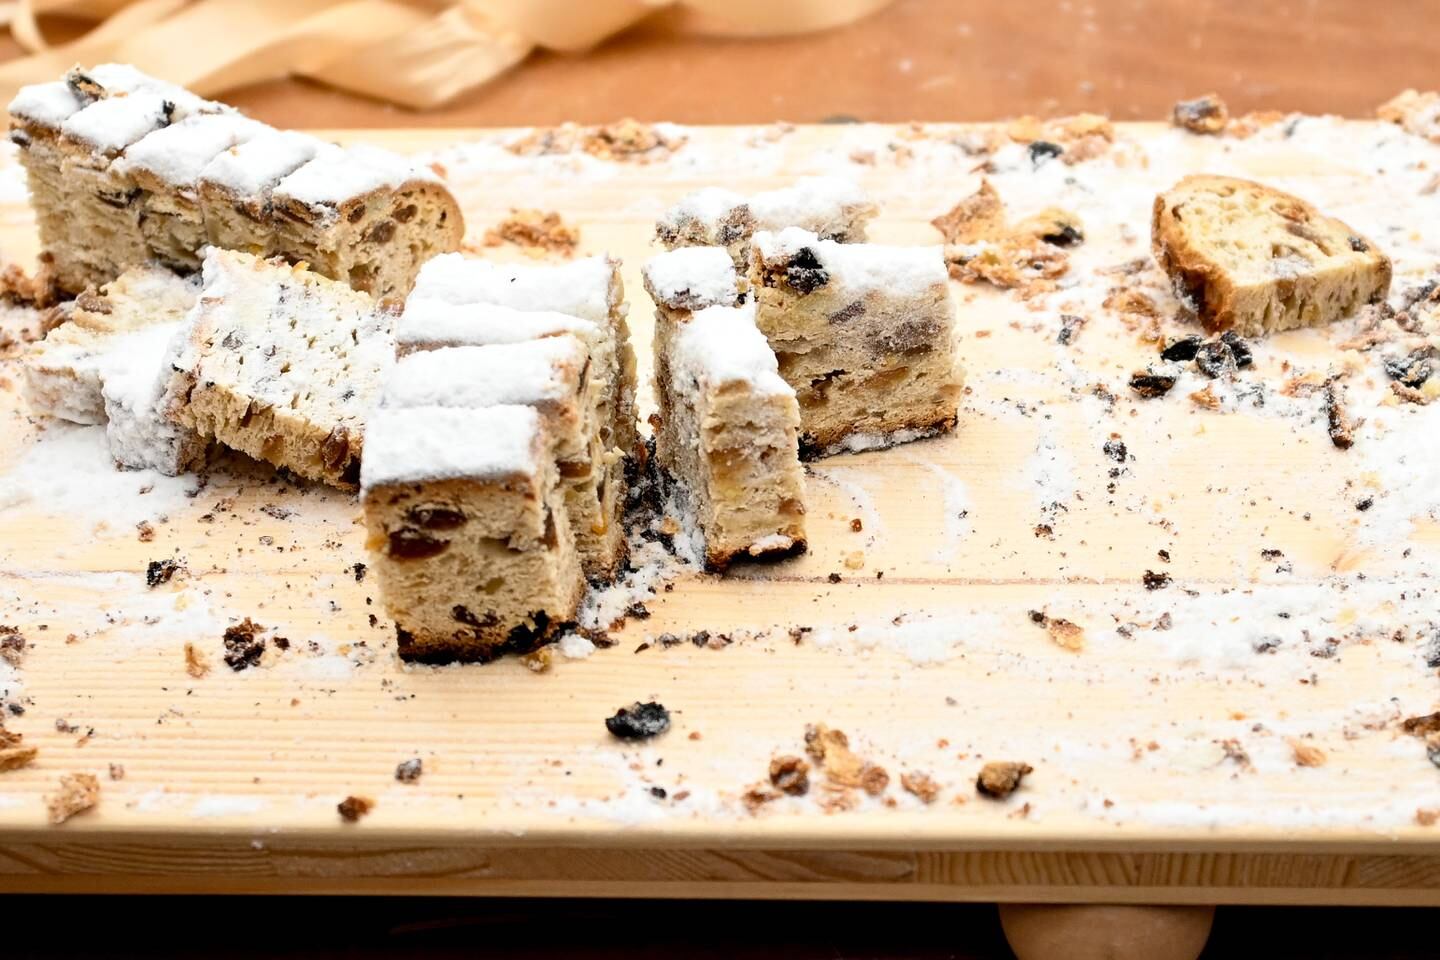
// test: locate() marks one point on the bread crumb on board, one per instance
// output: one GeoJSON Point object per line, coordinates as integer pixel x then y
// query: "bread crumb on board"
{"type": "Point", "coordinates": [77, 793]}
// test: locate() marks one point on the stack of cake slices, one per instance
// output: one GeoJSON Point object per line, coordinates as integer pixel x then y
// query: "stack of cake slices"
{"type": "Point", "coordinates": [125, 170]}
{"type": "Point", "coordinates": [476, 557]}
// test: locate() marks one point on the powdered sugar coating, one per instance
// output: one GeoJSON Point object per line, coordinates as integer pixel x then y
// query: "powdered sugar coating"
{"type": "Point", "coordinates": [45, 103]}
{"type": "Point", "coordinates": [811, 202]}
{"type": "Point", "coordinates": [722, 345]}
{"type": "Point", "coordinates": [250, 168]}
{"type": "Point", "coordinates": [139, 436]}
{"type": "Point", "coordinates": [708, 205]}
{"type": "Point", "coordinates": [438, 323]}
{"type": "Point", "coordinates": [689, 278]}
{"type": "Point", "coordinates": [860, 267]}
{"type": "Point", "coordinates": [415, 444]}
{"type": "Point", "coordinates": [112, 124]}
{"type": "Point", "coordinates": [585, 288]}
{"type": "Point", "coordinates": [535, 371]}
{"type": "Point", "coordinates": [178, 153]}
{"type": "Point", "coordinates": [332, 177]}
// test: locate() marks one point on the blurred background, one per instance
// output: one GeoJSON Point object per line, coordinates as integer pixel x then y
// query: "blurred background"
{"type": "Point", "coordinates": [366, 63]}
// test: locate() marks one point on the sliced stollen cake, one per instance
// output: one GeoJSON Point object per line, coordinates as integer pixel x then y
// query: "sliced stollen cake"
{"type": "Point", "coordinates": [863, 332]}
{"type": "Point", "coordinates": [589, 288]}
{"type": "Point", "coordinates": [1249, 258]}
{"type": "Point", "coordinates": [65, 373]}
{"type": "Point", "coordinates": [730, 436]}
{"type": "Point", "coordinates": [124, 168]}
{"type": "Point", "coordinates": [551, 374]}
{"type": "Point", "coordinates": [281, 364]}
{"type": "Point", "coordinates": [464, 513]}
{"type": "Point", "coordinates": [831, 208]}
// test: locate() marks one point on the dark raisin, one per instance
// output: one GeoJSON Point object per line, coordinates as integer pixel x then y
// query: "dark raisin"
{"type": "Point", "coordinates": [160, 571]}
{"type": "Point", "coordinates": [848, 312]}
{"type": "Point", "coordinates": [1156, 581]}
{"type": "Point", "coordinates": [1214, 359]}
{"type": "Point", "coordinates": [1042, 150]}
{"type": "Point", "coordinates": [1182, 350]}
{"type": "Point", "coordinates": [639, 721]}
{"type": "Point", "coordinates": [335, 448]}
{"type": "Point", "coordinates": [1359, 245]}
{"type": "Point", "coordinates": [435, 518]}
{"type": "Point", "coordinates": [1151, 385]}
{"type": "Point", "coordinates": [1365, 503]}
{"type": "Point", "coordinates": [356, 213]}
{"type": "Point", "coordinates": [407, 543]}
{"type": "Point", "coordinates": [381, 232]}
{"type": "Point", "coordinates": [805, 274]}
{"type": "Point", "coordinates": [1067, 236]}
{"type": "Point", "coordinates": [1239, 349]}
{"type": "Point", "coordinates": [359, 571]}
{"type": "Point", "coordinates": [461, 614]}
{"type": "Point", "coordinates": [658, 793]}
{"type": "Point", "coordinates": [406, 213]}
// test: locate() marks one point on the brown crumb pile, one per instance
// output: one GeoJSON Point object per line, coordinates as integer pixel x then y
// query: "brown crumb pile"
{"type": "Point", "coordinates": [352, 808]}
{"type": "Point", "coordinates": [921, 785]}
{"type": "Point", "coordinates": [78, 792]}
{"type": "Point", "coordinates": [1207, 114]}
{"type": "Point", "coordinates": [981, 245]}
{"type": "Point", "coordinates": [790, 775]}
{"type": "Point", "coordinates": [13, 752]}
{"type": "Point", "coordinates": [998, 779]}
{"type": "Point", "coordinates": [243, 645]}
{"type": "Point", "coordinates": [1415, 112]}
{"type": "Point", "coordinates": [1065, 633]}
{"type": "Point", "coordinates": [537, 232]}
{"type": "Point", "coordinates": [1081, 137]}
{"type": "Point", "coordinates": [196, 663]}
{"type": "Point", "coordinates": [830, 749]}
{"type": "Point", "coordinates": [625, 140]}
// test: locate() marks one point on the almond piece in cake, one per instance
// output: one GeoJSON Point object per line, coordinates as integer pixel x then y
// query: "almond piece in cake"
{"type": "Point", "coordinates": [65, 373]}
{"type": "Point", "coordinates": [465, 519]}
{"type": "Point", "coordinates": [863, 332]}
{"type": "Point", "coordinates": [1252, 259]}
{"type": "Point", "coordinates": [829, 207]}
{"type": "Point", "coordinates": [281, 364]}
{"type": "Point", "coordinates": [730, 435]}
{"type": "Point", "coordinates": [589, 288]}
{"type": "Point", "coordinates": [551, 374]}
{"type": "Point", "coordinates": [681, 281]}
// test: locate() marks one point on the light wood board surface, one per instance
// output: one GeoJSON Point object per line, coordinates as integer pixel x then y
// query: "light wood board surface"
{"type": "Point", "coordinates": [1164, 765]}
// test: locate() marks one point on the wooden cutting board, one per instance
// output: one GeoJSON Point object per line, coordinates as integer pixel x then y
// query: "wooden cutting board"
{"type": "Point", "coordinates": [1165, 760]}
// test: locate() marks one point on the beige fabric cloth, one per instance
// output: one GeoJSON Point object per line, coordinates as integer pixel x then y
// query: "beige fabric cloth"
{"type": "Point", "coordinates": [417, 53]}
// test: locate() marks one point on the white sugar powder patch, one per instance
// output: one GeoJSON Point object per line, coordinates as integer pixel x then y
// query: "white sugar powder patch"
{"type": "Point", "coordinates": [226, 805]}
{"type": "Point", "coordinates": [921, 638]}
{"type": "Point", "coordinates": [1402, 447]}
{"type": "Point", "coordinates": [869, 518]}
{"type": "Point", "coordinates": [68, 472]}
{"type": "Point", "coordinates": [575, 647]}
{"type": "Point", "coordinates": [1051, 472]}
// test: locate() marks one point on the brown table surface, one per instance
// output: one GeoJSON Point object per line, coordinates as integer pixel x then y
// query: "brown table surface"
{"type": "Point", "coordinates": [919, 60]}
{"type": "Point", "coordinates": [944, 60]}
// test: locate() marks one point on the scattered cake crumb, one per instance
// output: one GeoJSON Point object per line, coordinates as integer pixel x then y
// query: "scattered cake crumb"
{"type": "Point", "coordinates": [539, 660]}
{"type": "Point", "coordinates": [921, 785]}
{"type": "Point", "coordinates": [537, 232]}
{"type": "Point", "coordinates": [12, 645]}
{"type": "Point", "coordinates": [160, 572]}
{"type": "Point", "coordinates": [1065, 633]}
{"type": "Point", "coordinates": [196, 663]}
{"type": "Point", "coordinates": [144, 531]}
{"type": "Point", "coordinates": [790, 775]}
{"type": "Point", "coordinates": [116, 771]}
{"type": "Point", "coordinates": [243, 645]}
{"type": "Point", "coordinates": [409, 771]}
{"type": "Point", "coordinates": [1306, 755]}
{"type": "Point", "coordinates": [1207, 114]}
{"type": "Point", "coordinates": [77, 793]}
{"type": "Point", "coordinates": [13, 752]}
{"type": "Point", "coordinates": [998, 779]}
{"type": "Point", "coordinates": [352, 808]}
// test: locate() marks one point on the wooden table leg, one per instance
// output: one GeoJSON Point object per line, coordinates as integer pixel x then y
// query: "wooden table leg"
{"type": "Point", "coordinates": [1101, 932]}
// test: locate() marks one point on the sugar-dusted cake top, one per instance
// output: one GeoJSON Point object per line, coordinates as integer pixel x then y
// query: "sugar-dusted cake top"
{"type": "Point", "coordinates": [535, 371]}
{"type": "Point", "coordinates": [335, 176]}
{"type": "Point", "coordinates": [857, 267]}
{"type": "Point", "coordinates": [263, 160]}
{"type": "Point", "coordinates": [178, 153]}
{"type": "Point", "coordinates": [112, 124]}
{"type": "Point", "coordinates": [708, 205]}
{"type": "Point", "coordinates": [809, 202]}
{"type": "Point", "coordinates": [587, 288]}
{"type": "Point", "coordinates": [436, 322]}
{"type": "Point", "coordinates": [689, 278]}
{"type": "Point", "coordinates": [52, 103]}
{"type": "Point", "coordinates": [722, 345]}
{"type": "Point", "coordinates": [47, 103]}
{"type": "Point", "coordinates": [415, 444]}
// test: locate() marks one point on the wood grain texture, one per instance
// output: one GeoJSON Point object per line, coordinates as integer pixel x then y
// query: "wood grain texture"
{"type": "Point", "coordinates": [938, 60]}
{"type": "Point", "coordinates": [232, 780]}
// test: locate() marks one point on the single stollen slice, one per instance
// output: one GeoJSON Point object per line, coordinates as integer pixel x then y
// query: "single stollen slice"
{"type": "Point", "coordinates": [829, 207]}
{"type": "Point", "coordinates": [105, 333]}
{"type": "Point", "coordinates": [364, 216]}
{"type": "Point", "coordinates": [730, 436]}
{"type": "Point", "coordinates": [864, 333]}
{"type": "Point", "coordinates": [551, 374]}
{"type": "Point", "coordinates": [463, 511]}
{"type": "Point", "coordinates": [165, 167]}
{"type": "Point", "coordinates": [1250, 258]}
{"type": "Point", "coordinates": [681, 281]}
{"type": "Point", "coordinates": [589, 288]}
{"type": "Point", "coordinates": [281, 364]}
